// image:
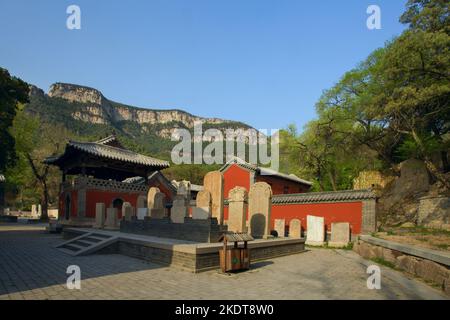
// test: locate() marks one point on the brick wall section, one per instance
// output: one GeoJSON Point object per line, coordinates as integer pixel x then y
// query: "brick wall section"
{"type": "Point", "coordinates": [190, 230]}
{"type": "Point", "coordinates": [199, 261]}
{"type": "Point", "coordinates": [204, 261]}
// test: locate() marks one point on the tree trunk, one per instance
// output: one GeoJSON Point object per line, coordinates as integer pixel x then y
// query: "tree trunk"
{"type": "Point", "coordinates": [42, 178]}
{"type": "Point", "coordinates": [44, 203]}
{"type": "Point", "coordinates": [333, 180]}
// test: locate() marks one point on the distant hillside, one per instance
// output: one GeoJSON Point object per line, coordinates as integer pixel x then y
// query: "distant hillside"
{"type": "Point", "coordinates": [89, 115]}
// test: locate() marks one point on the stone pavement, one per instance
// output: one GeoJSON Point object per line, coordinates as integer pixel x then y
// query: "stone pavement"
{"type": "Point", "coordinates": [31, 268]}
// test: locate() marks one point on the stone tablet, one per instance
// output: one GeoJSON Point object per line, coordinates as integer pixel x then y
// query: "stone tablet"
{"type": "Point", "coordinates": [150, 196]}
{"type": "Point", "coordinates": [53, 213]}
{"type": "Point", "coordinates": [99, 215]}
{"type": "Point", "coordinates": [203, 199]}
{"type": "Point", "coordinates": [33, 210]}
{"type": "Point", "coordinates": [315, 230]}
{"type": "Point", "coordinates": [259, 209]}
{"type": "Point", "coordinates": [280, 227]}
{"type": "Point", "coordinates": [340, 234]}
{"type": "Point", "coordinates": [179, 209]}
{"type": "Point", "coordinates": [141, 202]}
{"type": "Point", "coordinates": [237, 209]}
{"type": "Point", "coordinates": [295, 229]}
{"type": "Point", "coordinates": [159, 201]}
{"type": "Point", "coordinates": [127, 211]}
{"type": "Point", "coordinates": [157, 213]}
{"type": "Point", "coordinates": [112, 219]}
{"type": "Point", "coordinates": [177, 214]}
{"type": "Point", "coordinates": [201, 213]}
{"type": "Point", "coordinates": [142, 213]}
{"type": "Point", "coordinates": [159, 206]}
{"type": "Point", "coordinates": [213, 182]}
{"type": "Point", "coordinates": [184, 188]}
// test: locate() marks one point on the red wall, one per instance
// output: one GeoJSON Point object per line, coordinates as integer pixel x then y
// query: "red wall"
{"type": "Point", "coordinates": [350, 212]}
{"type": "Point", "coordinates": [278, 184]}
{"type": "Point", "coordinates": [94, 196]}
{"type": "Point", "coordinates": [235, 176]}
{"type": "Point", "coordinates": [332, 212]}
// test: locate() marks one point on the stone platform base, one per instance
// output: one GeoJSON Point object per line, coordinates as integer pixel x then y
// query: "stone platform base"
{"type": "Point", "coordinates": [191, 256]}
{"type": "Point", "coordinates": [9, 219]}
{"type": "Point", "coordinates": [431, 265]}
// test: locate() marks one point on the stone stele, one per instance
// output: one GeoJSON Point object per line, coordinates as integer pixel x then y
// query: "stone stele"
{"type": "Point", "coordinates": [213, 182]}
{"type": "Point", "coordinates": [295, 229]}
{"type": "Point", "coordinates": [142, 213]}
{"type": "Point", "coordinates": [340, 234]}
{"type": "Point", "coordinates": [151, 197]}
{"type": "Point", "coordinates": [237, 209]}
{"type": "Point", "coordinates": [127, 211]}
{"type": "Point", "coordinates": [100, 211]}
{"type": "Point", "coordinates": [159, 209]}
{"type": "Point", "coordinates": [179, 209]}
{"type": "Point", "coordinates": [259, 209]}
{"type": "Point", "coordinates": [280, 227]}
{"type": "Point", "coordinates": [315, 227]}
{"type": "Point", "coordinates": [202, 210]}
{"type": "Point", "coordinates": [112, 219]}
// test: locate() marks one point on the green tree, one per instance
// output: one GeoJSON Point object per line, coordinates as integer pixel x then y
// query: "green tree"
{"type": "Point", "coordinates": [12, 91]}
{"type": "Point", "coordinates": [35, 141]}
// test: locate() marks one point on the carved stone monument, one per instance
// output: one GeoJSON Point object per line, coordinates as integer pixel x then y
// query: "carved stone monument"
{"type": "Point", "coordinates": [340, 234]}
{"type": "Point", "coordinates": [259, 209]}
{"type": "Point", "coordinates": [99, 215]}
{"type": "Point", "coordinates": [315, 230]}
{"type": "Point", "coordinates": [280, 227]}
{"type": "Point", "coordinates": [237, 209]}
{"type": "Point", "coordinates": [295, 229]}
{"type": "Point", "coordinates": [213, 182]}
{"type": "Point", "coordinates": [202, 210]}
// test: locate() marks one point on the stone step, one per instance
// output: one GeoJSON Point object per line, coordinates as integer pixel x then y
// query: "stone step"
{"type": "Point", "coordinates": [73, 247]}
{"type": "Point", "coordinates": [95, 238]}
{"type": "Point", "coordinates": [84, 243]}
{"type": "Point", "coordinates": [99, 235]}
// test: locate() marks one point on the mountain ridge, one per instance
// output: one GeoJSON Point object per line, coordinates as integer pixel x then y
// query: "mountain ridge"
{"type": "Point", "coordinates": [87, 113]}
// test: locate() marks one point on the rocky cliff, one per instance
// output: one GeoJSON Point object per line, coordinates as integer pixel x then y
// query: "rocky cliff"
{"type": "Point", "coordinates": [99, 110]}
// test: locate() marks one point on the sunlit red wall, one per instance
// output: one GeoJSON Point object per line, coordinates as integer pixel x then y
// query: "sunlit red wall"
{"type": "Point", "coordinates": [350, 212]}
{"type": "Point", "coordinates": [235, 176]}
{"type": "Point", "coordinates": [94, 196]}
{"type": "Point", "coordinates": [278, 184]}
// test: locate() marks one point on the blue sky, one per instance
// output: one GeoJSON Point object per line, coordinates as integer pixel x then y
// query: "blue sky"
{"type": "Point", "coordinates": [261, 62]}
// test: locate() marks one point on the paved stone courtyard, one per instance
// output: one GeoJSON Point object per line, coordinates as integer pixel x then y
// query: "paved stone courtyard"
{"type": "Point", "coordinates": [31, 268]}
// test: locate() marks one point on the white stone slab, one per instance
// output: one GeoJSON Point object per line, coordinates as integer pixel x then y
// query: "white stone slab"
{"type": "Point", "coordinates": [142, 213]}
{"type": "Point", "coordinates": [315, 230]}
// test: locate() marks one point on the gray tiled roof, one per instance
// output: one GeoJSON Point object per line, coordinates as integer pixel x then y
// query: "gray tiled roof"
{"type": "Point", "coordinates": [2, 178]}
{"type": "Point", "coordinates": [107, 140]}
{"type": "Point", "coordinates": [263, 171]}
{"type": "Point", "coordinates": [106, 151]}
{"type": "Point", "coordinates": [134, 180]}
{"type": "Point", "coordinates": [102, 149]}
{"type": "Point", "coordinates": [332, 196]}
